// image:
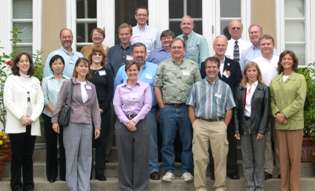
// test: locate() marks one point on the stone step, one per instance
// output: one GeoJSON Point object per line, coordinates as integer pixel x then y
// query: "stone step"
{"type": "Point", "coordinates": [307, 170]}
{"type": "Point", "coordinates": [307, 184]}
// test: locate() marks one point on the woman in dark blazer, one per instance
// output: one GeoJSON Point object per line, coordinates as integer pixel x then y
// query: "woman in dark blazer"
{"type": "Point", "coordinates": [251, 119]}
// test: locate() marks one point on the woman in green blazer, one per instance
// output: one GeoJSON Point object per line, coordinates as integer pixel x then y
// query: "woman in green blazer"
{"type": "Point", "coordinates": [288, 92]}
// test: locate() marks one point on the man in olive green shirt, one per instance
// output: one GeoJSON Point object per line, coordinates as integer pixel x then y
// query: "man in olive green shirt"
{"type": "Point", "coordinates": [174, 80]}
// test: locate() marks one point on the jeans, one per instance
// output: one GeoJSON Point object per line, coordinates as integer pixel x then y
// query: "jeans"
{"type": "Point", "coordinates": [175, 118]}
{"type": "Point", "coordinates": [154, 165]}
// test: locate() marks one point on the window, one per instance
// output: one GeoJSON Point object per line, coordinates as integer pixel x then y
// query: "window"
{"type": "Point", "coordinates": [85, 21]}
{"type": "Point", "coordinates": [179, 8]}
{"type": "Point", "coordinates": [229, 10]}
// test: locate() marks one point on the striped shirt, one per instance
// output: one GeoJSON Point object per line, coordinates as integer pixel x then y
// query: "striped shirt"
{"type": "Point", "coordinates": [211, 100]}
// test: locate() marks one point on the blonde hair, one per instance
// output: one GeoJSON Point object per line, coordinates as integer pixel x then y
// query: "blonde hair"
{"type": "Point", "coordinates": [245, 78]}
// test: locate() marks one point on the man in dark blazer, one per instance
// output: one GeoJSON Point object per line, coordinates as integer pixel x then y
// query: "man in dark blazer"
{"type": "Point", "coordinates": [230, 73]}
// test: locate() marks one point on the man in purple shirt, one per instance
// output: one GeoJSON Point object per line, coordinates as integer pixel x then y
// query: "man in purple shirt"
{"type": "Point", "coordinates": [160, 54]}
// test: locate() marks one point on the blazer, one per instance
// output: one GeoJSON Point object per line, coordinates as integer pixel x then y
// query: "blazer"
{"type": "Point", "coordinates": [260, 109]}
{"type": "Point", "coordinates": [232, 68]}
{"type": "Point", "coordinates": [15, 102]}
{"type": "Point", "coordinates": [289, 97]}
{"type": "Point", "coordinates": [82, 113]}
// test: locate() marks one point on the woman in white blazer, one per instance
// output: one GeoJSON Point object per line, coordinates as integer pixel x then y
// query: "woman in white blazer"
{"type": "Point", "coordinates": [24, 102]}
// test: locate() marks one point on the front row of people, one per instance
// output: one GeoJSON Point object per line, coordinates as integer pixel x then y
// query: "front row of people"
{"type": "Point", "coordinates": [181, 95]}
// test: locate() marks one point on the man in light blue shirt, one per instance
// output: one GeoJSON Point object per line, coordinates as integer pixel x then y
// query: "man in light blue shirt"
{"type": "Point", "coordinates": [68, 54]}
{"type": "Point", "coordinates": [160, 54]}
{"type": "Point", "coordinates": [146, 74]}
{"type": "Point", "coordinates": [196, 45]}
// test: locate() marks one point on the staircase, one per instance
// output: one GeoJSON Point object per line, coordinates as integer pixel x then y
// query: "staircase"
{"type": "Point", "coordinates": [41, 184]}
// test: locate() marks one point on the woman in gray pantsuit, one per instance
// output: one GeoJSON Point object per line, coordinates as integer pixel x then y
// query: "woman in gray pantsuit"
{"type": "Point", "coordinates": [77, 136]}
{"type": "Point", "coordinates": [251, 119]}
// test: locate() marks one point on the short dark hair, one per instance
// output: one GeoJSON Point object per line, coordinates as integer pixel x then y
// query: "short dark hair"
{"type": "Point", "coordinates": [16, 70]}
{"type": "Point", "coordinates": [99, 30]}
{"type": "Point", "coordinates": [138, 44]}
{"type": "Point", "coordinates": [131, 63]}
{"type": "Point", "coordinates": [166, 33]}
{"type": "Point", "coordinates": [181, 40]}
{"type": "Point", "coordinates": [53, 59]}
{"type": "Point", "coordinates": [267, 37]}
{"type": "Point", "coordinates": [123, 26]}
{"type": "Point", "coordinates": [293, 56]}
{"type": "Point", "coordinates": [142, 7]}
{"type": "Point", "coordinates": [212, 59]}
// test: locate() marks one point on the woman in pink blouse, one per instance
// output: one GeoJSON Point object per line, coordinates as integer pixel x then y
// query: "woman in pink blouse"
{"type": "Point", "coordinates": [132, 102]}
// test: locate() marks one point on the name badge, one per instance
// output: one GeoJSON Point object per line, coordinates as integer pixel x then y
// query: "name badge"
{"type": "Point", "coordinates": [129, 58]}
{"type": "Point", "coordinates": [217, 95]}
{"type": "Point", "coordinates": [88, 87]}
{"type": "Point", "coordinates": [186, 73]}
{"type": "Point", "coordinates": [148, 76]}
{"type": "Point", "coordinates": [102, 72]}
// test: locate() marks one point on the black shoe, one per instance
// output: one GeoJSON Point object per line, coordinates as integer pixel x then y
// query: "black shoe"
{"type": "Point", "coordinates": [100, 177]}
{"type": "Point", "coordinates": [28, 188]}
{"type": "Point", "coordinates": [51, 180]}
{"type": "Point", "coordinates": [268, 176]}
{"type": "Point", "coordinates": [155, 176]}
{"type": "Point", "coordinates": [234, 176]}
{"type": "Point", "coordinates": [17, 188]}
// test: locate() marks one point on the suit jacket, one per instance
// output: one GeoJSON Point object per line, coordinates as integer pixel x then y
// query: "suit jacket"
{"type": "Point", "coordinates": [260, 108]}
{"type": "Point", "coordinates": [232, 74]}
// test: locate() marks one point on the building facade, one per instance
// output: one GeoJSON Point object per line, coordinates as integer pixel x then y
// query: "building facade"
{"type": "Point", "coordinates": [291, 22]}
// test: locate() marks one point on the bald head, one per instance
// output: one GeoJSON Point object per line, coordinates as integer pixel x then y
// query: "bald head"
{"type": "Point", "coordinates": [66, 38]}
{"type": "Point", "coordinates": [187, 25]}
{"type": "Point", "coordinates": [235, 29]}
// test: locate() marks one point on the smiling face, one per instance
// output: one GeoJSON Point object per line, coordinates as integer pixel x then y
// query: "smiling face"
{"type": "Point", "coordinates": [132, 72]}
{"type": "Point", "coordinates": [254, 34]}
{"type": "Point", "coordinates": [24, 64]}
{"type": "Point", "coordinates": [141, 16]}
{"type": "Point", "coordinates": [124, 35]}
{"type": "Point", "coordinates": [166, 42]}
{"type": "Point", "coordinates": [287, 62]}
{"type": "Point", "coordinates": [57, 67]}
{"type": "Point", "coordinates": [66, 39]}
{"type": "Point", "coordinates": [97, 57]}
{"type": "Point", "coordinates": [212, 70]}
{"type": "Point", "coordinates": [251, 74]}
{"type": "Point", "coordinates": [186, 25]}
{"type": "Point", "coordinates": [266, 47]}
{"type": "Point", "coordinates": [97, 37]}
{"type": "Point", "coordinates": [235, 29]}
{"type": "Point", "coordinates": [219, 46]}
{"type": "Point", "coordinates": [82, 69]}
{"type": "Point", "coordinates": [139, 54]}
{"type": "Point", "coordinates": [177, 49]}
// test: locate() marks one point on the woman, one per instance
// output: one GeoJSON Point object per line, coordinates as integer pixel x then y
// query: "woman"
{"type": "Point", "coordinates": [102, 78]}
{"type": "Point", "coordinates": [77, 136]}
{"type": "Point", "coordinates": [51, 86]}
{"type": "Point", "coordinates": [288, 92]}
{"type": "Point", "coordinates": [97, 35]}
{"type": "Point", "coordinates": [132, 102]}
{"type": "Point", "coordinates": [251, 119]}
{"type": "Point", "coordinates": [24, 102]}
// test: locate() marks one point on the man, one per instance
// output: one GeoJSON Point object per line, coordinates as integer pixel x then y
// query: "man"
{"type": "Point", "coordinates": [174, 79]}
{"type": "Point", "coordinates": [142, 32]}
{"type": "Point", "coordinates": [230, 73]}
{"type": "Point", "coordinates": [197, 48]}
{"type": "Point", "coordinates": [146, 74]}
{"type": "Point", "coordinates": [236, 45]}
{"type": "Point", "coordinates": [97, 35]}
{"type": "Point", "coordinates": [268, 64]}
{"type": "Point", "coordinates": [210, 112]}
{"type": "Point", "coordinates": [119, 54]}
{"type": "Point", "coordinates": [68, 54]}
{"type": "Point", "coordinates": [164, 53]}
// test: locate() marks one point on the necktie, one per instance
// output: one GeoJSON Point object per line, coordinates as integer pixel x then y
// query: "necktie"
{"type": "Point", "coordinates": [236, 52]}
{"type": "Point", "coordinates": [185, 37]}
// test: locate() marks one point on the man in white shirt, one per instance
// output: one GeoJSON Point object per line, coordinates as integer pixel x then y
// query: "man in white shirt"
{"type": "Point", "coordinates": [236, 45]}
{"type": "Point", "coordinates": [144, 33]}
{"type": "Point", "coordinates": [268, 64]}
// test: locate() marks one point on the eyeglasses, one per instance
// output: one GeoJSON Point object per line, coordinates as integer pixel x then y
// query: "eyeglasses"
{"type": "Point", "coordinates": [236, 28]}
{"type": "Point", "coordinates": [97, 54]}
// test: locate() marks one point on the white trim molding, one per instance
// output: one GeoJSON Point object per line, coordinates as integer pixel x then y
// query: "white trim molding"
{"type": "Point", "coordinates": [159, 14]}
{"type": "Point", "coordinates": [106, 19]}
{"type": "Point", "coordinates": [6, 25]}
{"type": "Point", "coordinates": [71, 17]}
{"type": "Point", "coordinates": [37, 26]}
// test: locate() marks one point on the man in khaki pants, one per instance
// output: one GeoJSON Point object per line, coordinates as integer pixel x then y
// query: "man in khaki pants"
{"type": "Point", "coordinates": [210, 111]}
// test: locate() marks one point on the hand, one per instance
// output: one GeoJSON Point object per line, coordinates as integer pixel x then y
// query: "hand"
{"type": "Point", "coordinates": [101, 111]}
{"type": "Point", "coordinates": [281, 118]}
{"type": "Point", "coordinates": [237, 136]}
{"type": "Point", "coordinates": [97, 133]}
{"type": "Point", "coordinates": [56, 128]}
{"type": "Point", "coordinates": [260, 136]}
{"type": "Point", "coordinates": [50, 108]}
{"type": "Point", "coordinates": [161, 105]}
{"type": "Point", "coordinates": [131, 126]}
{"type": "Point", "coordinates": [25, 120]}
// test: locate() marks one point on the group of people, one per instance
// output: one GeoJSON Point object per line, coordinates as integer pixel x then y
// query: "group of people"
{"type": "Point", "coordinates": [160, 86]}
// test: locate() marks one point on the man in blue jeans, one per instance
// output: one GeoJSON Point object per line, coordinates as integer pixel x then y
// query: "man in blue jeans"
{"type": "Point", "coordinates": [174, 79]}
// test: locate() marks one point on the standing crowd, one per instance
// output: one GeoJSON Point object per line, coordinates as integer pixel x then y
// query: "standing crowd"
{"type": "Point", "coordinates": [170, 99]}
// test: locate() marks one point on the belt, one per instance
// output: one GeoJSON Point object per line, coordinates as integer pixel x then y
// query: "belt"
{"type": "Point", "coordinates": [176, 104]}
{"type": "Point", "coordinates": [211, 120]}
{"type": "Point", "coordinates": [246, 118]}
{"type": "Point", "coordinates": [131, 115]}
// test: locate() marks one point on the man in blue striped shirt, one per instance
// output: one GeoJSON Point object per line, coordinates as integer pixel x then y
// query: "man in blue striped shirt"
{"type": "Point", "coordinates": [210, 111]}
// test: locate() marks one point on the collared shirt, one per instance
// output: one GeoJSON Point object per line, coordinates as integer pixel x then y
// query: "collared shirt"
{"type": "Point", "coordinates": [51, 88]}
{"type": "Point", "coordinates": [251, 53]}
{"type": "Point", "coordinates": [146, 74]}
{"type": "Point", "coordinates": [211, 100]}
{"type": "Point", "coordinates": [175, 80]}
{"type": "Point", "coordinates": [250, 89]}
{"type": "Point", "coordinates": [243, 46]}
{"type": "Point", "coordinates": [132, 100]}
{"type": "Point", "coordinates": [196, 47]}
{"type": "Point", "coordinates": [268, 68]}
{"type": "Point", "coordinates": [70, 60]}
{"type": "Point", "coordinates": [118, 56]}
{"type": "Point", "coordinates": [148, 36]}
{"type": "Point", "coordinates": [158, 55]}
